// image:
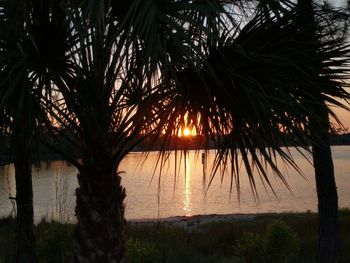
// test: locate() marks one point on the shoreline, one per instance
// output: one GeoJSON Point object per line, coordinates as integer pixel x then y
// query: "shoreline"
{"type": "Point", "coordinates": [195, 221]}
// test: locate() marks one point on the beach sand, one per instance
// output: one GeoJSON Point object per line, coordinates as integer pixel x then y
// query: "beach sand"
{"type": "Point", "coordinates": [195, 221]}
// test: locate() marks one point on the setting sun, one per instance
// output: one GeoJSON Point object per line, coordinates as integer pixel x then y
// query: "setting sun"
{"type": "Point", "coordinates": [187, 132]}
{"type": "Point", "coordinates": [186, 126]}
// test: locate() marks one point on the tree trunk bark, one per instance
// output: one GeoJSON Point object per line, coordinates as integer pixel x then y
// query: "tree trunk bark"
{"type": "Point", "coordinates": [24, 201]}
{"type": "Point", "coordinates": [100, 232]}
{"type": "Point", "coordinates": [328, 246]}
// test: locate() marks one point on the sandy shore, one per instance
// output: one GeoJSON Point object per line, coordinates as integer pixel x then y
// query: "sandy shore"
{"type": "Point", "coordinates": [193, 222]}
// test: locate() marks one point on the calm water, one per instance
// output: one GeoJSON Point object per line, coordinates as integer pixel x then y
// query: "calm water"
{"type": "Point", "coordinates": [185, 194]}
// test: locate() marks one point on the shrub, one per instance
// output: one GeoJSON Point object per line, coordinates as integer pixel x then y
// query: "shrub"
{"type": "Point", "coordinates": [54, 242]}
{"type": "Point", "coordinates": [281, 244]}
{"type": "Point", "coordinates": [250, 248]}
{"type": "Point", "coordinates": [8, 243]}
{"type": "Point", "coordinates": [142, 252]}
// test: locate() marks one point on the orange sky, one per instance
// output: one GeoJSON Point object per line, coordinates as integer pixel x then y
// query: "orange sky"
{"type": "Point", "coordinates": [344, 116]}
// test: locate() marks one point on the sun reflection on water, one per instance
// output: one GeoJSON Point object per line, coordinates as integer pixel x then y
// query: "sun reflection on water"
{"type": "Point", "coordinates": [187, 191]}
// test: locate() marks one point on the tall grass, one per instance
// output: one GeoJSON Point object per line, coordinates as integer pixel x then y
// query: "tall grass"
{"type": "Point", "coordinates": [7, 240]}
{"type": "Point", "coordinates": [63, 202]}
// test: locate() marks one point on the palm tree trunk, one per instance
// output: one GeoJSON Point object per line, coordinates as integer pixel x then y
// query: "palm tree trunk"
{"type": "Point", "coordinates": [24, 200]}
{"type": "Point", "coordinates": [328, 246]}
{"type": "Point", "coordinates": [99, 235]}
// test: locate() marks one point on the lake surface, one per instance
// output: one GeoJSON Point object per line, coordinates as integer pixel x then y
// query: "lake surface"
{"type": "Point", "coordinates": [153, 195]}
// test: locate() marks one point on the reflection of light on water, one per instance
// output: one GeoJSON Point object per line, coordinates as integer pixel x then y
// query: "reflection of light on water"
{"type": "Point", "coordinates": [187, 193]}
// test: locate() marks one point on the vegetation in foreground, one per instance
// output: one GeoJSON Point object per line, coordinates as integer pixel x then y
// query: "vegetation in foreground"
{"type": "Point", "coordinates": [277, 238]}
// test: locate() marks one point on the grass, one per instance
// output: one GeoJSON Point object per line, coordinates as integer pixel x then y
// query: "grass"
{"type": "Point", "coordinates": [294, 234]}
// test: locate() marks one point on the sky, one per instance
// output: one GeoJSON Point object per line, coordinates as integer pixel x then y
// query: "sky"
{"type": "Point", "coordinates": [343, 115]}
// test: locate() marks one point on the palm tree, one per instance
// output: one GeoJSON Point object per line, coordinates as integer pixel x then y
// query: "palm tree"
{"type": "Point", "coordinates": [108, 82]}
{"type": "Point", "coordinates": [18, 105]}
{"type": "Point", "coordinates": [120, 73]}
{"type": "Point", "coordinates": [276, 77]}
{"type": "Point", "coordinates": [328, 247]}
{"type": "Point", "coordinates": [24, 54]}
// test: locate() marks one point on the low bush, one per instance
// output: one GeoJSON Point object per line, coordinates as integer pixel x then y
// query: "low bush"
{"type": "Point", "coordinates": [7, 240]}
{"type": "Point", "coordinates": [250, 248]}
{"type": "Point", "coordinates": [54, 242]}
{"type": "Point", "coordinates": [142, 252]}
{"type": "Point", "coordinates": [281, 244]}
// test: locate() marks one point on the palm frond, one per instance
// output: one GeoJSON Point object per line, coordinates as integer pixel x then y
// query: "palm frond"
{"type": "Point", "coordinates": [256, 91]}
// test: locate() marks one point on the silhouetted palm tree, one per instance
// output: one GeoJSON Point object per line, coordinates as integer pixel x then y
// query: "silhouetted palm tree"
{"type": "Point", "coordinates": [108, 83]}
{"type": "Point", "coordinates": [28, 47]}
{"type": "Point", "coordinates": [115, 74]}
{"type": "Point", "coordinates": [275, 81]}
{"type": "Point", "coordinates": [328, 247]}
{"type": "Point", "coordinates": [18, 105]}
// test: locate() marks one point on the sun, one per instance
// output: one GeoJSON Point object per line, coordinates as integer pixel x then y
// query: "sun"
{"type": "Point", "coordinates": [186, 132]}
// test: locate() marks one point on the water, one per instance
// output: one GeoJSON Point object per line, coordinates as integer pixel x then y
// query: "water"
{"type": "Point", "coordinates": [151, 196]}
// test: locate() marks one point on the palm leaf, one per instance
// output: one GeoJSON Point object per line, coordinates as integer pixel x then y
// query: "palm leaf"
{"type": "Point", "coordinates": [256, 90]}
